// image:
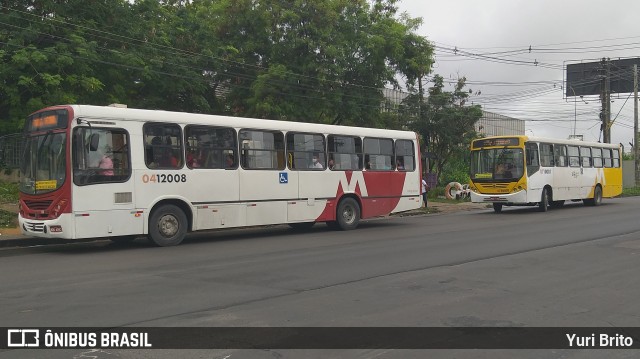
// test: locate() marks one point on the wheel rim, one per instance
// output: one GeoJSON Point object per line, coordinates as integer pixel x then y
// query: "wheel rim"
{"type": "Point", "coordinates": [348, 214]}
{"type": "Point", "coordinates": [168, 226]}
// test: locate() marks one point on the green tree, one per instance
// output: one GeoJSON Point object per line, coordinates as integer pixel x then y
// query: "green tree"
{"type": "Point", "coordinates": [42, 60]}
{"type": "Point", "coordinates": [318, 61]}
{"type": "Point", "coordinates": [445, 122]}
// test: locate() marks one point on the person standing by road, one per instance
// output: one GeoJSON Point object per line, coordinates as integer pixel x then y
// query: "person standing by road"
{"type": "Point", "coordinates": [425, 189]}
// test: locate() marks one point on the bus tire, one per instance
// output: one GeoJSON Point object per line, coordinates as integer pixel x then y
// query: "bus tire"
{"type": "Point", "coordinates": [544, 201]}
{"type": "Point", "coordinates": [497, 207]}
{"type": "Point", "coordinates": [597, 197]}
{"type": "Point", "coordinates": [301, 226]}
{"type": "Point", "coordinates": [348, 214]}
{"type": "Point", "coordinates": [167, 226]}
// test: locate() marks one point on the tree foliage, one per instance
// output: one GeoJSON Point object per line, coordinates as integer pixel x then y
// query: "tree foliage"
{"type": "Point", "coordinates": [306, 60]}
{"type": "Point", "coordinates": [444, 121]}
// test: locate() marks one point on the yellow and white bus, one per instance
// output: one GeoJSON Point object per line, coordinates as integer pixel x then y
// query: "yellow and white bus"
{"type": "Point", "coordinates": [91, 171]}
{"type": "Point", "coordinates": [528, 171]}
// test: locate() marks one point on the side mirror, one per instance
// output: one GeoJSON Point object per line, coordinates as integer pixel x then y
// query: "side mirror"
{"type": "Point", "coordinates": [94, 142]}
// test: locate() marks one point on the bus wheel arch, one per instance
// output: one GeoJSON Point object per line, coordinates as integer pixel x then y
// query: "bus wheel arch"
{"type": "Point", "coordinates": [348, 212]}
{"type": "Point", "coordinates": [169, 222]}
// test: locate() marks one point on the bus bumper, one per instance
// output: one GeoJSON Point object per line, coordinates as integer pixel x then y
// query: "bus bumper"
{"type": "Point", "coordinates": [519, 197]}
{"type": "Point", "coordinates": [61, 227]}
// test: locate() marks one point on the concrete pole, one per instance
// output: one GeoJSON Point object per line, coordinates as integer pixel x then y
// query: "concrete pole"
{"type": "Point", "coordinates": [636, 147]}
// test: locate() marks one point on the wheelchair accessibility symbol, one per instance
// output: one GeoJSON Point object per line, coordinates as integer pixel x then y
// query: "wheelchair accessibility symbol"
{"type": "Point", "coordinates": [284, 177]}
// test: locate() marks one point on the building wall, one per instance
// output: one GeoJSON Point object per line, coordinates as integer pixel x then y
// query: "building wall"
{"type": "Point", "coordinates": [493, 124]}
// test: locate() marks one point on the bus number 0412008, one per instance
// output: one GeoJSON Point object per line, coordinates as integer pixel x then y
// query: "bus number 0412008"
{"type": "Point", "coordinates": [163, 178]}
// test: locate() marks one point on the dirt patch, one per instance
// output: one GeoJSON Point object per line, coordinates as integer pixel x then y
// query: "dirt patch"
{"type": "Point", "coordinates": [449, 207]}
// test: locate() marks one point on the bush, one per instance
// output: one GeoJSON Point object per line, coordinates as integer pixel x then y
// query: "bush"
{"type": "Point", "coordinates": [8, 219]}
{"type": "Point", "coordinates": [8, 192]}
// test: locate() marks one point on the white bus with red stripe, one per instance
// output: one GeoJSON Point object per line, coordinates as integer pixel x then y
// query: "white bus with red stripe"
{"type": "Point", "coordinates": [92, 172]}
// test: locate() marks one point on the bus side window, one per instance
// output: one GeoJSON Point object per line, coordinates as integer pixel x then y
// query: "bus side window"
{"type": "Point", "coordinates": [346, 151]}
{"type": "Point", "coordinates": [607, 158]}
{"type": "Point", "coordinates": [163, 145]}
{"type": "Point", "coordinates": [405, 154]}
{"type": "Point", "coordinates": [574, 156]}
{"type": "Point", "coordinates": [560, 153]}
{"type": "Point", "coordinates": [306, 151]}
{"type": "Point", "coordinates": [533, 162]}
{"type": "Point", "coordinates": [101, 155]}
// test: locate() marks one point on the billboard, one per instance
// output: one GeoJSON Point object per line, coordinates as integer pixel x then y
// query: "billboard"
{"type": "Point", "coordinates": [587, 78]}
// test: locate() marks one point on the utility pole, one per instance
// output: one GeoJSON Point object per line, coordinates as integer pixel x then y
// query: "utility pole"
{"type": "Point", "coordinates": [606, 102]}
{"type": "Point", "coordinates": [636, 148]}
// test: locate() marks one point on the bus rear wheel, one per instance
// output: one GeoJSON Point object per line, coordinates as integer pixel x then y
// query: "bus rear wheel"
{"type": "Point", "coordinates": [348, 214]}
{"type": "Point", "coordinates": [167, 226]}
{"type": "Point", "coordinates": [597, 197]}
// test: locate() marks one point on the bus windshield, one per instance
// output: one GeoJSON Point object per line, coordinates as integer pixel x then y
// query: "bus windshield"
{"type": "Point", "coordinates": [43, 167]}
{"type": "Point", "coordinates": [497, 165]}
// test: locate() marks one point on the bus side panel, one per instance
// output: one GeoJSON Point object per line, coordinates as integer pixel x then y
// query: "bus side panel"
{"type": "Point", "coordinates": [315, 188]}
{"type": "Point", "coordinates": [536, 183]}
{"type": "Point", "coordinates": [215, 194]}
{"type": "Point", "coordinates": [612, 182]}
{"type": "Point", "coordinates": [104, 210]}
{"type": "Point", "coordinates": [564, 183]}
{"type": "Point", "coordinates": [220, 216]}
{"type": "Point", "coordinates": [411, 193]}
{"type": "Point", "coordinates": [588, 181]}
{"type": "Point", "coordinates": [266, 194]}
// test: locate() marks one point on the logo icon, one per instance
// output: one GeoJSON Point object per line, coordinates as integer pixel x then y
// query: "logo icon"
{"type": "Point", "coordinates": [23, 338]}
{"type": "Point", "coordinates": [284, 177]}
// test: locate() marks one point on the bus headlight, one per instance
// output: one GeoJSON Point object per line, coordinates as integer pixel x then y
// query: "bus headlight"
{"type": "Point", "coordinates": [59, 208]}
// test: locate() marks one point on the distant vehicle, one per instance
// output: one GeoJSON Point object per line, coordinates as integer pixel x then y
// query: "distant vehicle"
{"type": "Point", "coordinates": [92, 171]}
{"type": "Point", "coordinates": [522, 170]}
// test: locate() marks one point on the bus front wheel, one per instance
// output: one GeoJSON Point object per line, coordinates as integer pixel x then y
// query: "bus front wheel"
{"type": "Point", "coordinates": [167, 226]}
{"type": "Point", "coordinates": [348, 215]}
{"type": "Point", "coordinates": [544, 201]}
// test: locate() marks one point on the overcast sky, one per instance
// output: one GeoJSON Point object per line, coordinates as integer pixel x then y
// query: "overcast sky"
{"type": "Point", "coordinates": [509, 82]}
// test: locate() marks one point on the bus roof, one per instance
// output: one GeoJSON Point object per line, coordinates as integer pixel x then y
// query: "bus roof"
{"type": "Point", "coordinates": [557, 141]}
{"type": "Point", "coordinates": [130, 114]}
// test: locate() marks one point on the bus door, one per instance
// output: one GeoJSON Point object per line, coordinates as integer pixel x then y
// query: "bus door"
{"type": "Point", "coordinates": [265, 184]}
{"type": "Point", "coordinates": [102, 196]}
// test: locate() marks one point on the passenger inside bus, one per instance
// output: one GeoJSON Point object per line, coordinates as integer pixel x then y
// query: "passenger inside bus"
{"type": "Point", "coordinates": [193, 160]}
{"type": "Point", "coordinates": [161, 155]}
{"type": "Point", "coordinates": [98, 156]}
{"type": "Point", "coordinates": [229, 161]}
{"type": "Point", "coordinates": [503, 170]}
{"type": "Point", "coordinates": [315, 163]}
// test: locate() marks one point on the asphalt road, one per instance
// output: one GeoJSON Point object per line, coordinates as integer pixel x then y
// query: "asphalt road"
{"type": "Point", "coordinates": [574, 266]}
